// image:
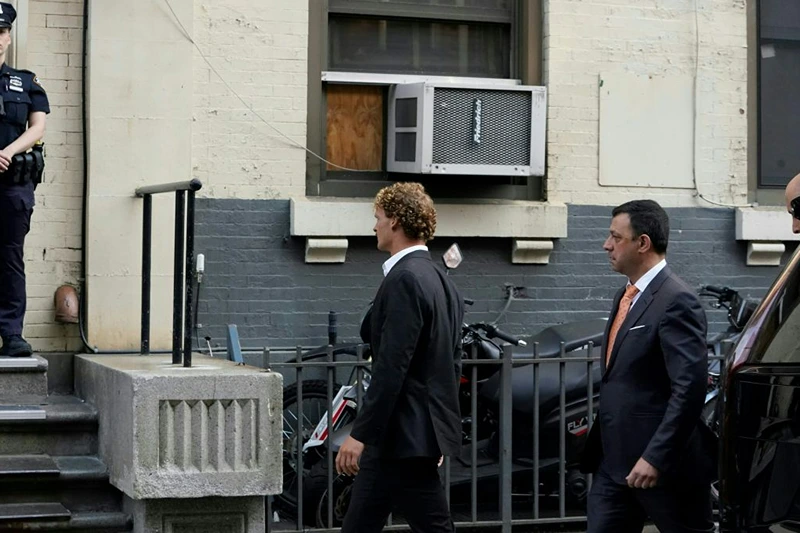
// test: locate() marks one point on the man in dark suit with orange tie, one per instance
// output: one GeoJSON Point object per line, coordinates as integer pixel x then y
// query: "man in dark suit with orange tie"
{"type": "Point", "coordinates": [646, 447]}
{"type": "Point", "coordinates": [410, 416]}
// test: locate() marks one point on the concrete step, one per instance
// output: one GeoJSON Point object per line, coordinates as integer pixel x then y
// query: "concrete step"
{"type": "Point", "coordinates": [16, 468]}
{"type": "Point", "coordinates": [52, 425]}
{"type": "Point", "coordinates": [43, 468]}
{"type": "Point", "coordinates": [114, 522]}
{"type": "Point", "coordinates": [18, 513]}
{"type": "Point", "coordinates": [23, 375]}
{"type": "Point", "coordinates": [83, 498]}
{"type": "Point", "coordinates": [79, 483]}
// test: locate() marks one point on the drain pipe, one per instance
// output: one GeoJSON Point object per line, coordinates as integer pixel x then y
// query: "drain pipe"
{"type": "Point", "coordinates": [84, 211]}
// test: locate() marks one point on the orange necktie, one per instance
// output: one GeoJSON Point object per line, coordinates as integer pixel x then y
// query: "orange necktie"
{"type": "Point", "coordinates": [622, 312]}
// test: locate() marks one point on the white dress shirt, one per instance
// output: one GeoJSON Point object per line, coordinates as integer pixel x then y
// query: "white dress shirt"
{"type": "Point", "coordinates": [645, 280]}
{"type": "Point", "coordinates": [392, 261]}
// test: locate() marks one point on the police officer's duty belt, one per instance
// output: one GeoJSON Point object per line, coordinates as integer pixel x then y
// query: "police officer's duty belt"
{"type": "Point", "coordinates": [25, 167]}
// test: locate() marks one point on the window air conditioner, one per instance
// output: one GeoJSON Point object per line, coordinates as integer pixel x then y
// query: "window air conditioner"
{"type": "Point", "coordinates": [460, 129]}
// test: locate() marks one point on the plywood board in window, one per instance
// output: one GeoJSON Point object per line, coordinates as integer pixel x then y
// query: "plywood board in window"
{"type": "Point", "coordinates": [646, 130]}
{"type": "Point", "coordinates": [355, 127]}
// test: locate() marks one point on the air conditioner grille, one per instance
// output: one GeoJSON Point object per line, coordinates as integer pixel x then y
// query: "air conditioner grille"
{"type": "Point", "coordinates": [505, 127]}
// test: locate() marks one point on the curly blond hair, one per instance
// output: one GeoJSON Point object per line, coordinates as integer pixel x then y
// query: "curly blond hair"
{"type": "Point", "coordinates": [411, 206]}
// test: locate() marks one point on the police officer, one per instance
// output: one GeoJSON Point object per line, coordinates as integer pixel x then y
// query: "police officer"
{"type": "Point", "coordinates": [22, 122]}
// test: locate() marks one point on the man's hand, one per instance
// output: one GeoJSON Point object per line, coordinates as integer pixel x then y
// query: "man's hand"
{"type": "Point", "coordinates": [348, 457]}
{"type": "Point", "coordinates": [5, 159]}
{"type": "Point", "coordinates": [643, 476]}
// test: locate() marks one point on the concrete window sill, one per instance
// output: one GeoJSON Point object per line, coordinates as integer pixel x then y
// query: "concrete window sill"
{"type": "Point", "coordinates": [327, 222]}
{"type": "Point", "coordinates": [765, 229]}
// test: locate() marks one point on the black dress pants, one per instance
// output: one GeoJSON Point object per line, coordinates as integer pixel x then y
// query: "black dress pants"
{"type": "Point", "coordinates": [674, 507]}
{"type": "Point", "coordinates": [409, 487]}
{"type": "Point", "coordinates": [16, 207]}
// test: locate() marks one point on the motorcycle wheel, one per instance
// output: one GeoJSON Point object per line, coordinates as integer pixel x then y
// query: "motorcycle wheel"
{"type": "Point", "coordinates": [315, 404]}
{"type": "Point", "coordinates": [315, 496]}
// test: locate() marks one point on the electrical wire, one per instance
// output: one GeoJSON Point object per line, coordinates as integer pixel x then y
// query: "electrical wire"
{"type": "Point", "coordinates": [292, 142]}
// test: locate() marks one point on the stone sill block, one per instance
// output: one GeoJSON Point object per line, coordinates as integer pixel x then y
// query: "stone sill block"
{"type": "Point", "coordinates": [350, 217]}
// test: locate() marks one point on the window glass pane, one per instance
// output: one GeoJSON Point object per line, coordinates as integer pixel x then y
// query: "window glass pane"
{"type": "Point", "coordinates": [419, 47]}
{"type": "Point", "coordinates": [483, 4]}
{"type": "Point", "coordinates": [426, 8]}
{"type": "Point", "coordinates": [779, 56]}
{"type": "Point", "coordinates": [779, 19]}
{"type": "Point", "coordinates": [780, 112]}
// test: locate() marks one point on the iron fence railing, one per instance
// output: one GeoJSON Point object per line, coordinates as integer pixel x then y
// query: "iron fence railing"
{"type": "Point", "coordinates": [536, 508]}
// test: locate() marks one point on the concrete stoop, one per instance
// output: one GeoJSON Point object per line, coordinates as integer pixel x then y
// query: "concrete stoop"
{"type": "Point", "coordinates": [50, 476]}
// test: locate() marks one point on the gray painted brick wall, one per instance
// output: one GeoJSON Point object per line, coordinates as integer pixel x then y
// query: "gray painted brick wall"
{"type": "Point", "coordinates": [256, 277]}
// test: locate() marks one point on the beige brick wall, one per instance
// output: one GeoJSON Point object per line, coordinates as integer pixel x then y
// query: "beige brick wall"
{"type": "Point", "coordinates": [260, 49]}
{"type": "Point", "coordinates": [53, 247]}
{"type": "Point", "coordinates": [586, 38]}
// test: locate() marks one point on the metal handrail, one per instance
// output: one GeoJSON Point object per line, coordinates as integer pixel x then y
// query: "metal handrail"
{"type": "Point", "coordinates": [191, 185]}
{"type": "Point", "coordinates": [183, 289]}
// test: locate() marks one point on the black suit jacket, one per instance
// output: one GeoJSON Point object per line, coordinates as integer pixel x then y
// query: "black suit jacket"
{"type": "Point", "coordinates": [654, 387]}
{"type": "Point", "coordinates": [411, 408]}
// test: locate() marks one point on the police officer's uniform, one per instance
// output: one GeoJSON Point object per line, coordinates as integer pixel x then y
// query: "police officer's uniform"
{"type": "Point", "coordinates": [21, 94]}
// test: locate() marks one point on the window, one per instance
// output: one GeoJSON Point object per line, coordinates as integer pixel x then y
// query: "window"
{"type": "Point", "coordinates": [347, 122]}
{"type": "Point", "coordinates": [778, 81]}
{"type": "Point", "coordinates": [419, 47]}
{"type": "Point", "coordinates": [775, 335]}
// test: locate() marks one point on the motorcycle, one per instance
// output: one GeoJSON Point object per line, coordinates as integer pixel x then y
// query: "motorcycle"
{"type": "Point", "coordinates": [481, 427]}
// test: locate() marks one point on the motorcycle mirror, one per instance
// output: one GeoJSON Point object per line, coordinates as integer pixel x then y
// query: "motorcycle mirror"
{"type": "Point", "coordinates": [452, 257]}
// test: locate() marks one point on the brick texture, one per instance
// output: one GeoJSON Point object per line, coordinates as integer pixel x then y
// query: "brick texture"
{"type": "Point", "coordinates": [53, 247]}
{"type": "Point", "coordinates": [256, 277]}
{"type": "Point", "coordinates": [260, 50]}
{"type": "Point", "coordinates": [583, 39]}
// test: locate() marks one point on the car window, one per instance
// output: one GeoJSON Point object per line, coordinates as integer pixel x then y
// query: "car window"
{"type": "Point", "coordinates": [779, 339]}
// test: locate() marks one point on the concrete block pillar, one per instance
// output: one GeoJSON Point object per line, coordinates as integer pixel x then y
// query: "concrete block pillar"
{"type": "Point", "coordinates": [193, 449]}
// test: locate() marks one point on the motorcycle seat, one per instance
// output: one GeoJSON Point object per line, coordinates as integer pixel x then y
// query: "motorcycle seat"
{"type": "Point", "coordinates": [522, 384]}
{"type": "Point", "coordinates": [573, 334]}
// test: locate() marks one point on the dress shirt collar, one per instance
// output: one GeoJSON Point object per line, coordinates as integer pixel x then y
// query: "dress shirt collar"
{"type": "Point", "coordinates": [392, 261]}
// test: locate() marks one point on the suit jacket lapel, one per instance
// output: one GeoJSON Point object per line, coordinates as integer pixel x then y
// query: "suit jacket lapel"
{"type": "Point", "coordinates": [635, 314]}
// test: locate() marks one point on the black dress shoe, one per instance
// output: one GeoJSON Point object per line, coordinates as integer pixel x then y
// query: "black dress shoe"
{"type": "Point", "coordinates": [15, 346]}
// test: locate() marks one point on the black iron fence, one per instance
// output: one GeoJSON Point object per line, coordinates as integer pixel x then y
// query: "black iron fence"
{"type": "Point", "coordinates": [492, 485]}
{"type": "Point", "coordinates": [471, 509]}
{"type": "Point", "coordinates": [182, 270]}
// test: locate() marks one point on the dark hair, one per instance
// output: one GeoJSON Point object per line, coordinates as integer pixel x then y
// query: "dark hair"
{"type": "Point", "coordinates": [411, 206]}
{"type": "Point", "coordinates": [647, 218]}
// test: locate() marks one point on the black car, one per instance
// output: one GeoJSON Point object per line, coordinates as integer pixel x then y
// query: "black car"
{"type": "Point", "coordinates": [759, 482]}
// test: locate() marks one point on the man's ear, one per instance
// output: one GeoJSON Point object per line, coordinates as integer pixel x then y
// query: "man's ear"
{"type": "Point", "coordinates": [645, 244]}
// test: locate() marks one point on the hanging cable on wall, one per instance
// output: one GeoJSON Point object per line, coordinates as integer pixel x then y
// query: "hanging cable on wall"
{"type": "Point", "coordinates": [291, 142]}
